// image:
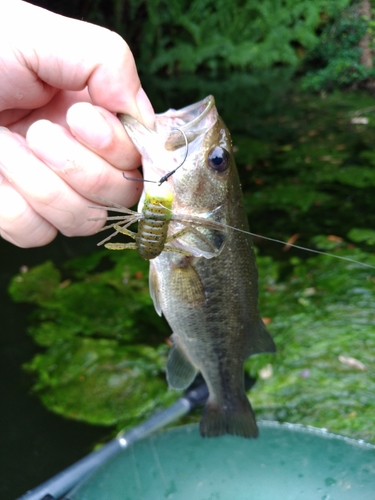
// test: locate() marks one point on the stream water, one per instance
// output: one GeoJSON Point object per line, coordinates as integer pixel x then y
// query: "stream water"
{"type": "Point", "coordinates": [35, 444]}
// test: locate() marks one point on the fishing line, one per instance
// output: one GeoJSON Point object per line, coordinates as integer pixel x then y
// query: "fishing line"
{"type": "Point", "coordinates": [169, 174]}
{"type": "Point", "coordinates": [348, 259]}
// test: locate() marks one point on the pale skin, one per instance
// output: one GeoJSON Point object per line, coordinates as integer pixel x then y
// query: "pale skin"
{"type": "Point", "coordinates": [62, 82]}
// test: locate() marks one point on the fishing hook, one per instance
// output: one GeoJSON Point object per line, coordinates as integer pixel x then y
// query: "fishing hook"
{"type": "Point", "coordinates": [136, 179]}
{"type": "Point", "coordinates": [166, 176]}
{"type": "Point", "coordinates": [169, 174]}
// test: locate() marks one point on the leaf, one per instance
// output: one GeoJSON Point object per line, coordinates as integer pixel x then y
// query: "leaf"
{"type": "Point", "coordinates": [362, 235]}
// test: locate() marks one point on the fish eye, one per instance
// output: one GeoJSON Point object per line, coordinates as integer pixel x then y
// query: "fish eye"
{"type": "Point", "coordinates": [218, 159]}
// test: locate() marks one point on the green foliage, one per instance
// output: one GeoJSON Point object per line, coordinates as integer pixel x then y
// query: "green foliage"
{"type": "Point", "coordinates": [339, 72]}
{"type": "Point", "coordinates": [183, 36]}
{"type": "Point", "coordinates": [311, 170]}
{"type": "Point", "coordinates": [339, 52]}
{"type": "Point", "coordinates": [75, 307]}
{"type": "Point", "coordinates": [322, 310]}
{"type": "Point", "coordinates": [37, 287]}
{"type": "Point", "coordinates": [360, 235]}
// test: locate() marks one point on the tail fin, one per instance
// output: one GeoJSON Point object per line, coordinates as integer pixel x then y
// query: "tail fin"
{"type": "Point", "coordinates": [235, 419]}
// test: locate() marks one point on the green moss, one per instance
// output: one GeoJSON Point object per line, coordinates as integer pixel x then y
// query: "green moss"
{"type": "Point", "coordinates": [105, 355]}
{"type": "Point", "coordinates": [101, 381]}
{"type": "Point", "coordinates": [37, 285]}
{"type": "Point", "coordinates": [325, 310]}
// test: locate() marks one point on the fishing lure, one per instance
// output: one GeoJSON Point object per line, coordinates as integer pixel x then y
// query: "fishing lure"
{"type": "Point", "coordinates": [152, 237]}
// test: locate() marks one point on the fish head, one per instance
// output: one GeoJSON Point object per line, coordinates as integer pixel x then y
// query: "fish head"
{"type": "Point", "coordinates": [195, 145]}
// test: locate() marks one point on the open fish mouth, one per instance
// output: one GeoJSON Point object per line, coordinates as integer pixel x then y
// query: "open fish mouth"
{"type": "Point", "coordinates": [187, 119]}
{"type": "Point", "coordinates": [191, 120]}
{"type": "Point", "coordinates": [164, 146]}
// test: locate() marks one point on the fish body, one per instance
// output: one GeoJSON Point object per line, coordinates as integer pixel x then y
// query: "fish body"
{"type": "Point", "coordinates": [207, 288]}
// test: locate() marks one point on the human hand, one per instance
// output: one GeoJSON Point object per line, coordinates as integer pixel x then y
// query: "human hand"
{"type": "Point", "coordinates": [61, 80]}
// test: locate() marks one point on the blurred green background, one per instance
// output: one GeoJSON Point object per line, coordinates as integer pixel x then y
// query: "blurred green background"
{"type": "Point", "coordinates": [294, 83]}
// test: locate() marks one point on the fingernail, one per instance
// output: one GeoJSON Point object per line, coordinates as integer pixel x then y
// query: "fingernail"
{"type": "Point", "coordinates": [145, 108]}
{"type": "Point", "coordinates": [89, 124]}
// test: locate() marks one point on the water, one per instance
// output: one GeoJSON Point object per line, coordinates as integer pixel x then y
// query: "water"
{"type": "Point", "coordinates": [35, 444]}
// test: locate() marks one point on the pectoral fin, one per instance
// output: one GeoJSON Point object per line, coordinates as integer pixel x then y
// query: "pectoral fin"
{"type": "Point", "coordinates": [180, 371]}
{"type": "Point", "coordinates": [154, 288]}
{"type": "Point", "coordinates": [201, 241]}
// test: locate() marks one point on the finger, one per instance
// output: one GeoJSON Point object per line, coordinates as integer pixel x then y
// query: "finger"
{"type": "Point", "coordinates": [55, 111]}
{"type": "Point", "coordinates": [68, 54]}
{"type": "Point", "coordinates": [93, 126]}
{"type": "Point", "coordinates": [49, 196]}
{"type": "Point", "coordinates": [84, 171]}
{"type": "Point", "coordinates": [19, 223]}
{"type": "Point", "coordinates": [104, 134]}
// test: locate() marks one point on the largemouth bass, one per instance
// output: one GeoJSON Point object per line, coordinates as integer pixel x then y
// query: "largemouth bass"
{"type": "Point", "coordinates": [204, 279]}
